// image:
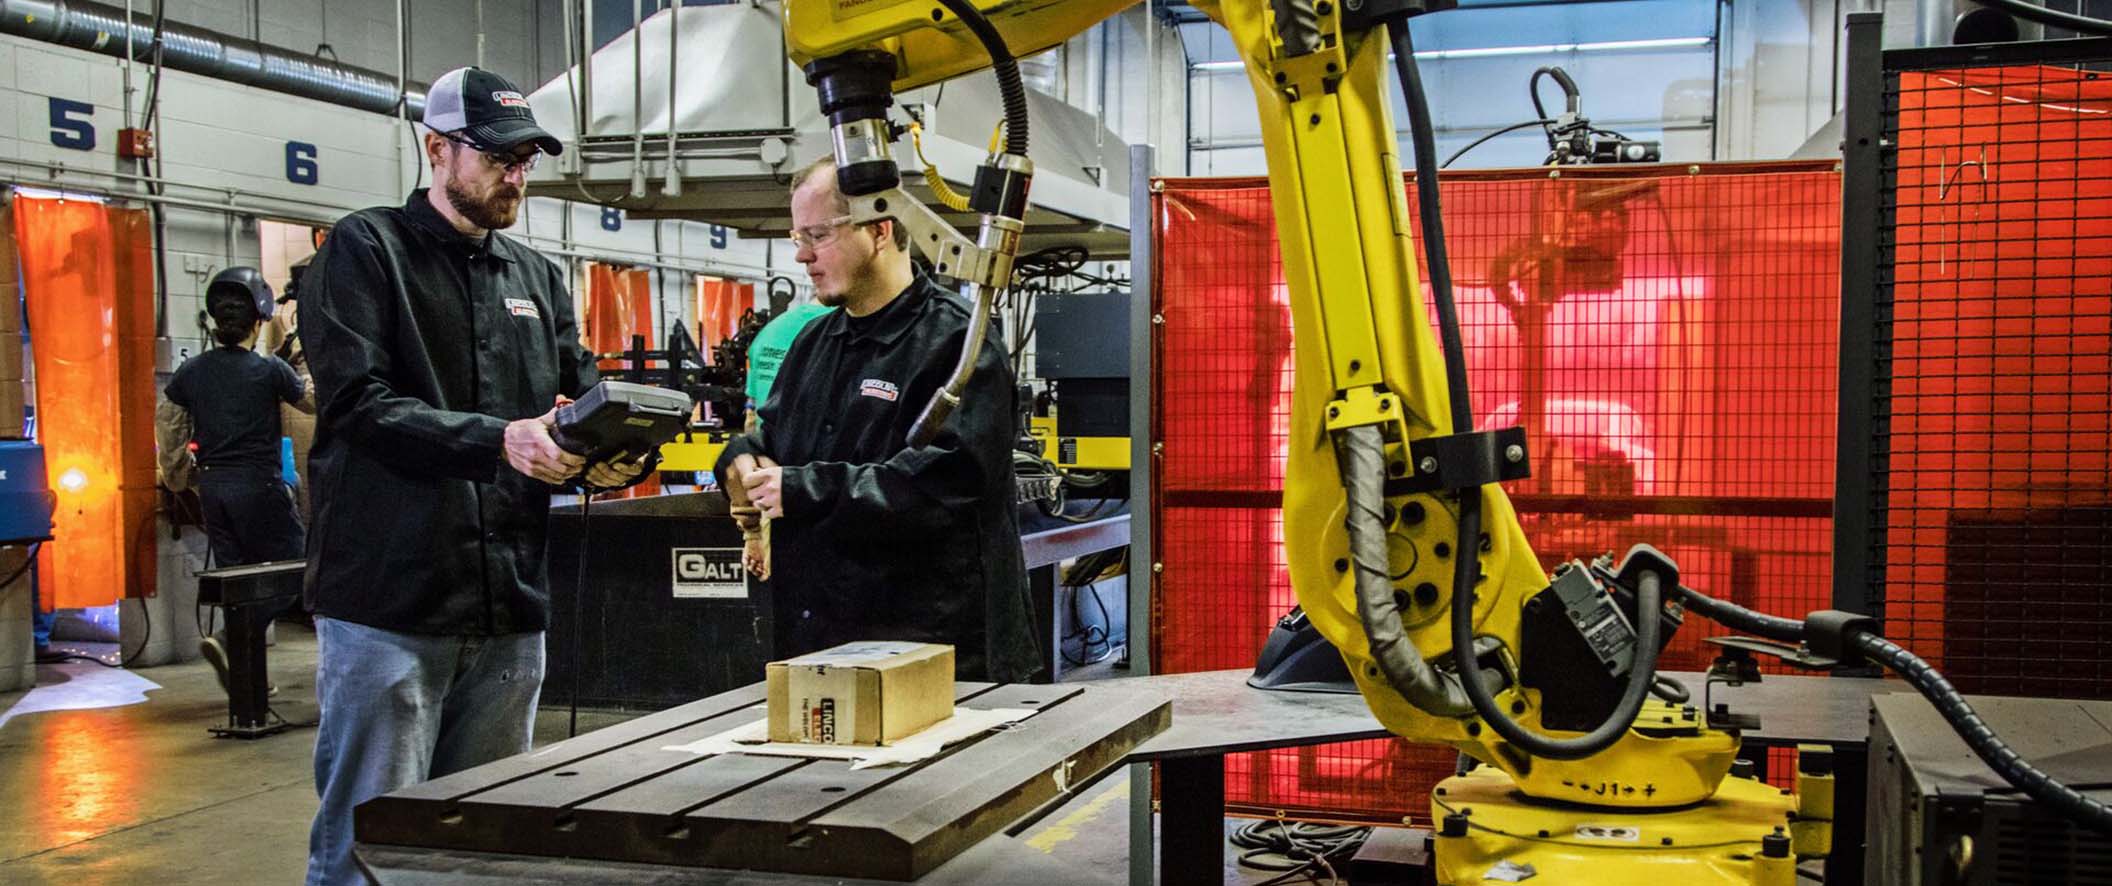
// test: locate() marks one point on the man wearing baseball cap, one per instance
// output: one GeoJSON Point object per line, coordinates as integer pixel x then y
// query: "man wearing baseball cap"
{"type": "Point", "coordinates": [439, 348]}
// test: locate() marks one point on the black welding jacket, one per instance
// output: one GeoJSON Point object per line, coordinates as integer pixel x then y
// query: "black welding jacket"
{"type": "Point", "coordinates": [881, 541]}
{"type": "Point", "coordinates": [424, 344]}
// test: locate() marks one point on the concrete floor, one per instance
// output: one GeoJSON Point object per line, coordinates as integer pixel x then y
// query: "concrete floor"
{"type": "Point", "coordinates": [140, 793]}
{"type": "Point", "coordinates": [109, 776]}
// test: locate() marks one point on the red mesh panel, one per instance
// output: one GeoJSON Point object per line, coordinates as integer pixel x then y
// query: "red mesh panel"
{"type": "Point", "coordinates": [1997, 536]}
{"type": "Point", "coordinates": [1669, 340]}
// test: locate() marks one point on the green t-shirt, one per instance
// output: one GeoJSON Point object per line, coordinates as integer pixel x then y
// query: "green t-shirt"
{"type": "Point", "coordinates": [767, 352]}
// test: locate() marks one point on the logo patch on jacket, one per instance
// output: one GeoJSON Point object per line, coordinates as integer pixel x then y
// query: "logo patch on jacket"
{"type": "Point", "coordinates": [509, 99]}
{"type": "Point", "coordinates": [874, 387]}
{"type": "Point", "coordinates": [521, 307]}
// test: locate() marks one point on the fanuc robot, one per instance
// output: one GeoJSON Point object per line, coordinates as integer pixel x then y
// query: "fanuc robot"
{"type": "Point", "coordinates": [1401, 547]}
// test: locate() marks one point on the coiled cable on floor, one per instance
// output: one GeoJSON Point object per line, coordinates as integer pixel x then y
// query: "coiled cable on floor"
{"type": "Point", "coordinates": [1296, 848]}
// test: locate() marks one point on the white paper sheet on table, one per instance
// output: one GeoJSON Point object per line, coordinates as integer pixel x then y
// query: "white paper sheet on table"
{"type": "Point", "coordinates": [753, 738]}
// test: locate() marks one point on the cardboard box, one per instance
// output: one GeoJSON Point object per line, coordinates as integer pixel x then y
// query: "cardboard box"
{"type": "Point", "coordinates": [872, 693]}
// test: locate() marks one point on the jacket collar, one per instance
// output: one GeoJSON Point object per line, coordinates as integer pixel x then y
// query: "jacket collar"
{"type": "Point", "coordinates": [420, 209]}
{"type": "Point", "coordinates": [889, 323]}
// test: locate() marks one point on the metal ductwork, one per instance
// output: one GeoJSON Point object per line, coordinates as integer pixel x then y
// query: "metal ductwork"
{"type": "Point", "coordinates": [97, 27]}
{"type": "Point", "coordinates": [743, 119]}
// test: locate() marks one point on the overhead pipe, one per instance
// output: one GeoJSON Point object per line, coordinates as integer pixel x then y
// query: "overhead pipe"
{"type": "Point", "coordinates": [403, 112]}
{"type": "Point", "coordinates": [673, 187]}
{"type": "Point", "coordinates": [108, 30]}
{"type": "Point", "coordinates": [587, 46]}
{"type": "Point", "coordinates": [637, 99]}
{"type": "Point", "coordinates": [568, 162]}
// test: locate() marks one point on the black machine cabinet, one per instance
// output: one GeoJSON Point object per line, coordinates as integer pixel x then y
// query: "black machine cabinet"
{"type": "Point", "coordinates": [1939, 817]}
{"type": "Point", "coordinates": [1078, 348]}
{"type": "Point", "coordinates": [669, 615]}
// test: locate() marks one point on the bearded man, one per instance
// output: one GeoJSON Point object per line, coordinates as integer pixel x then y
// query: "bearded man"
{"type": "Point", "coordinates": [439, 349]}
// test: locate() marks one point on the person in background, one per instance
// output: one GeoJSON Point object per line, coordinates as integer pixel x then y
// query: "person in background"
{"type": "Point", "coordinates": [225, 403]}
{"type": "Point", "coordinates": [767, 353]}
{"type": "Point", "coordinates": [282, 339]}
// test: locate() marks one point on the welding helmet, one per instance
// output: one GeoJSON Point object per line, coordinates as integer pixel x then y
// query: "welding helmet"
{"type": "Point", "coordinates": [242, 283]}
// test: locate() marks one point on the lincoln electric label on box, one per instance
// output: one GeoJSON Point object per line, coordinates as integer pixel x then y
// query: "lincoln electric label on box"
{"type": "Point", "coordinates": [709, 573]}
{"type": "Point", "coordinates": [869, 693]}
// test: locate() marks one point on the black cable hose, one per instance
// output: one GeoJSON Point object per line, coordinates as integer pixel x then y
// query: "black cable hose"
{"type": "Point", "coordinates": [1009, 86]}
{"type": "Point", "coordinates": [1484, 139]}
{"type": "Point", "coordinates": [1672, 691]}
{"type": "Point", "coordinates": [2081, 24]}
{"type": "Point", "coordinates": [1739, 618]}
{"type": "Point", "coordinates": [1572, 98]}
{"type": "Point", "coordinates": [1988, 746]}
{"type": "Point", "coordinates": [1424, 140]}
{"type": "Point", "coordinates": [1466, 573]}
{"type": "Point", "coordinates": [150, 117]}
{"type": "Point", "coordinates": [1570, 93]}
{"type": "Point", "coordinates": [144, 530]}
{"type": "Point", "coordinates": [1291, 847]}
{"type": "Point", "coordinates": [1948, 702]}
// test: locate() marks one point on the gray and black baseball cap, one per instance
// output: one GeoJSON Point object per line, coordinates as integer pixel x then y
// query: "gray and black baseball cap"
{"type": "Point", "coordinates": [485, 110]}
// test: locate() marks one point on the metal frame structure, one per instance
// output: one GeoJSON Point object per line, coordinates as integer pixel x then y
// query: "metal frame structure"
{"type": "Point", "coordinates": [1857, 505]}
{"type": "Point", "coordinates": [1143, 525]}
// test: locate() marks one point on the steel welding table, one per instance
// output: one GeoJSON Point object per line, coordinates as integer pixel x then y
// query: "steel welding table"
{"type": "Point", "coordinates": [432, 833]}
{"type": "Point", "coordinates": [1047, 543]}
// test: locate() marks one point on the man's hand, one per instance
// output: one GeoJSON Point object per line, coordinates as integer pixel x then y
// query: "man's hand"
{"type": "Point", "coordinates": [530, 450]}
{"type": "Point", "coordinates": [755, 554]}
{"type": "Point", "coordinates": [745, 513]}
{"type": "Point", "coordinates": [615, 475]}
{"type": "Point", "coordinates": [755, 545]}
{"type": "Point", "coordinates": [765, 491]}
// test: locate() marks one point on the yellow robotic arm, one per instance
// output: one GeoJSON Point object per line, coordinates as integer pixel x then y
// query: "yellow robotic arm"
{"type": "Point", "coordinates": [1382, 474]}
{"type": "Point", "coordinates": [927, 43]}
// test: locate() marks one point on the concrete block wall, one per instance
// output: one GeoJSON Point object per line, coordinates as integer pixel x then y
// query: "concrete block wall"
{"type": "Point", "coordinates": [164, 629]}
{"type": "Point", "coordinates": [17, 650]}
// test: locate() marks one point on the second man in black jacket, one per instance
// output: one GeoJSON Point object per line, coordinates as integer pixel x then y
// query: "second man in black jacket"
{"type": "Point", "coordinates": [874, 539]}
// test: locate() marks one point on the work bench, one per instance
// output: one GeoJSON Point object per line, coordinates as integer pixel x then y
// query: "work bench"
{"type": "Point", "coordinates": [613, 801]}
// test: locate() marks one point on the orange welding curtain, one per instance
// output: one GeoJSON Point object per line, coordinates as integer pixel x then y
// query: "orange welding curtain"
{"type": "Point", "coordinates": [87, 271]}
{"type": "Point", "coordinates": [619, 305]}
{"type": "Point", "coordinates": [720, 304]}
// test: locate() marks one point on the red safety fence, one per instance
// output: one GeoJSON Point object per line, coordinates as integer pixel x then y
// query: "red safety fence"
{"type": "Point", "coordinates": [1996, 473]}
{"type": "Point", "coordinates": [1668, 335]}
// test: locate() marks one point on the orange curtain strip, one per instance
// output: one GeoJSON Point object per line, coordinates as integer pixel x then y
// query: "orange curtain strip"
{"type": "Point", "coordinates": [87, 270]}
{"type": "Point", "coordinates": [619, 305]}
{"type": "Point", "coordinates": [720, 304]}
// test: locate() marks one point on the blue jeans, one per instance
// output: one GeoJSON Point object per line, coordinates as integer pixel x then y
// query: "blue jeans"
{"type": "Point", "coordinates": [399, 709]}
